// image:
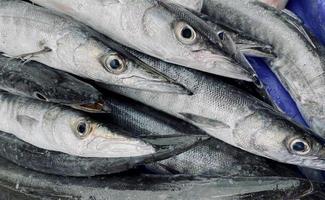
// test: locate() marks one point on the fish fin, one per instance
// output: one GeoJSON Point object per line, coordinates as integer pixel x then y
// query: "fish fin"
{"type": "Point", "coordinates": [171, 145]}
{"type": "Point", "coordinates": [26, 121]}
{"type": "Point", "coordinates": [256, 50]}
{"type": "Point", "coordinates": [29, 56]}
{"type": "Point", "coordinates": [204, 120]}
{"type": "Point", "coordinates": [294, 20]}
{"type": "Point", "coordinates": [159, 168]}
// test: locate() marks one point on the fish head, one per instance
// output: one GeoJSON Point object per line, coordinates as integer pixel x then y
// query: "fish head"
{"type": "Point", "coordinates": [37, 81]}
{"type": "Point", "coordinates": [180, 43]}
{"type": "Point", "coordinates": [82, 136]}
{"type": "Point", "coordinates": [282, 140]}
{"type": "Point", "coordinates": [107, 66]}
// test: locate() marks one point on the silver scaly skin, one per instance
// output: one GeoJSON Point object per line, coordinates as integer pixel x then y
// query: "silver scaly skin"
{"type": "Point", "coordinates": [211, 157]}
{"type": "Point", "coordinates": [190, 4]}
{"type": "Point", "coordinates": [57, 128]}
{"type": "Point", "coordinates": [34, 80]}
{"type": "Point", "coordinates": [150, 28]}
{"type": "Point", "coordinates": [299, 62]}
{"type": "Point", "coordinates": [34, 33]}
{"type": "Point", "coordinates": [21, 183]}
{"type": "Point", "coordinates": [233, 116]}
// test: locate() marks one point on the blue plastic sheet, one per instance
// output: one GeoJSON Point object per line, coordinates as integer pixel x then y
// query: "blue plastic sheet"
{"type": "Point", "coordinates": [312, 14]}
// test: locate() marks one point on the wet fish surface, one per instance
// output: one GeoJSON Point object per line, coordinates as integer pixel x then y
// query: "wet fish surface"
{"type": "Point", "coordinates": [58, 128]}
{"type": "Point", "coordinates": [57, 163]}
{"type": "Point", "coordinates": [299, 61]}
{"type": "Point", "coordinates": [30, 32]}
{"type": "Point", "coordinates": [233, 116]}
{"type": "Point", "coordinates": [211, 157]}
{"type": "Point", "coordinates": [148, 27]}
{"type": "Point", "coordinates": [37, 81]}
{"type": "Point", "coordinates": [20, 183]}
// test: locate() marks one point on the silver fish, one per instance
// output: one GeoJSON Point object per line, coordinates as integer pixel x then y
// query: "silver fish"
{"type": "Point", "coordinates": [190, 4]}
{"type": "Point", "coordinates": [233, 116]}
{"type": "Point", "coordinates": [299, 60]}
{"type": "Point", "coordinates": [20, 183]}
{"type": "Point", "coordinates": [57, 128]}
{"type": "Point", "coordinates": [150, 28]}
{"type": "Point", "coordinates": [211, 157]}
{"type": "Point", "coordinates": [37, 81]}
{"type": "Point", "coordinates": [57, 163]}
{"type": "Point", "coordinates": [30, 32]}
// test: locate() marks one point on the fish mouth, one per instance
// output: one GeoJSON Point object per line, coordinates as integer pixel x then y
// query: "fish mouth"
{"type": "Point", "coordinates": [156, 85]}
{"type": "Point", "coordinates": [145, 77]}
{"type": "Point", "coordinates": [96, 107]}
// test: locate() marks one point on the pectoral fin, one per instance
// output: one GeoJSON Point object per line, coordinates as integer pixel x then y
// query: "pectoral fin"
{"type": "Point", "coordinates": [26, 121]}
{"type": "Point", "coordinates": [204, 120]}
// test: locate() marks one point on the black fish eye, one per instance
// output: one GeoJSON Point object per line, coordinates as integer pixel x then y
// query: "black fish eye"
{"type": "Point", "coordinates": [185, 33]}
{"type": "Point", "coordinates": [40, 96]}
{"type": "Point", "coordinates": [300, 146]}
{"type": "Point", "coordinates": [221, 35]}
{"type": "Point", "coordinates": [114, 63]}
{"type": "Point", "coordinates": [82, 129]}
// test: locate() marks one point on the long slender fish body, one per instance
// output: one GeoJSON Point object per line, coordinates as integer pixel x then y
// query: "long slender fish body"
{"type": "Point", "coordinates": [57, 163]}
{"type": "Point", "coordinates": [190, 4]}
{"type": "Point", "coordinates": [20, 183]}
{"type": "Point", "coordinates": [299, 61]}
{"type": "Point", "coordinates": [57, 128]}
{"type": "Point", "coordinates": [34, 33]}
{"type": "Point", "coordinates": [37, 81]}
{"type": "Point", "coordinates": [233, 116]}
{"type": "Point", "coordinates": [150, 28]}
{"type": "Point", "coordinates": [211, 157]}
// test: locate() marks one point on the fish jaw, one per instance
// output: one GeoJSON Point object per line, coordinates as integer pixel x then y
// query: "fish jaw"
{"type": "Point", "coordinates": [106, 143]}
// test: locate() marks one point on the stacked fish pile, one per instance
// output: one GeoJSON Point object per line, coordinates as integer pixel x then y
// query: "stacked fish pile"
{"type": "Point", "coordinates": [155, 99]}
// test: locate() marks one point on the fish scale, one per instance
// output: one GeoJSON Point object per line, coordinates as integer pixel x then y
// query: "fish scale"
{"type": "Point", "coordinates": [56, 128]}
{"type": "Point", "coordinates": [298, 62]}
{"type": "Point", "coordinates": [229, 114]}
{"type": "Point", "coordinates": [149, 28]}
{"type": "Point", "coordinates": [35, 33]}
{"type": "Point", "coordinates": [211, 157]}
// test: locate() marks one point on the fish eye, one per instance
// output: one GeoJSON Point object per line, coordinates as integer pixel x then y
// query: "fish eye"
{"type": "Point", "coordinates": [185, 33]}
{"type": "Point", "coordinates": [300, 146]}
{"type": "Point", "coordinates": [114, 63]}
{"type": "Point", "coordinates": [40, 96]}
{"type": "Point", "coordinates": [82, 129]}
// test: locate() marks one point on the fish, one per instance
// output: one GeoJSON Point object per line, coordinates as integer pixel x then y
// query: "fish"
{"type": "Point", "coordinates": [279, 4]}
{"type": "Point", "coordinates": [150, 28]}
{"type": "Point", "coordinates": [190, 4]}
{"type": "Point", "coordinates": [233, 116]}
{"type": "Point", "coordinates": [20, 183]}
{"type": "Point", "coordinates": [299, 58]}
{"type": "Point", "coordinates": [59, 128]}
{"type": "Point", "coordinates": [57, 163]}
{"type": "Point", "coordinates": [34, 80]}
{"type": "Point", "coordinates": [30, 32]}
{"type": "Point", "coordinates": [210, 157]}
